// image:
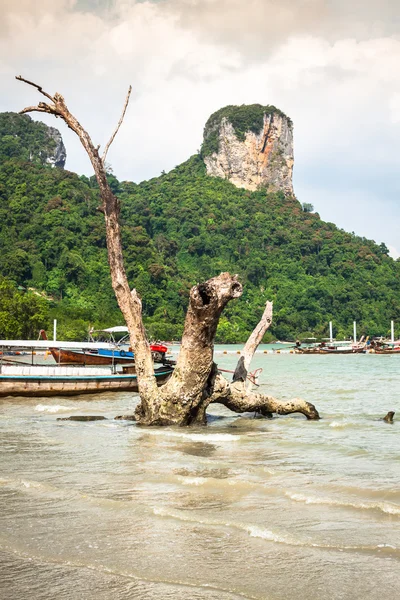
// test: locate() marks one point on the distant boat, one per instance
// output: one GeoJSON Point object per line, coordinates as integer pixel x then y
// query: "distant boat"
{"type": "Point", "coordinates": [385, 347]}
{"type": "Point", "coordinates": [332, 348]}
{"type": "Point", "coordinates": [120, 353]}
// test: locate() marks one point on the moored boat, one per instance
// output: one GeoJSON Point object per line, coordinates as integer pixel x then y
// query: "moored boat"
{"type": "Point", "coordinates": [332, 348]}
{"type": "Point", "coordinates": [119, 353]}
{"type": "Point", "coordinates": [69, 381]}
{"type": "Point", "coordinates": [23, 379]}
{"type": "Point", "coordinates": [384, 347]}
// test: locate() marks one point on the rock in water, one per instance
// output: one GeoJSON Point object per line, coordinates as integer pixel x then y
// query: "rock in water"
{"type": "Point", "coordinates": [251, 146]}
{"type": "Point", "coordinates": [82, 418]}
{"type": "Point", "coordinates": [389, 417]}
{"type": "Point", "coordinates": [125, 418]}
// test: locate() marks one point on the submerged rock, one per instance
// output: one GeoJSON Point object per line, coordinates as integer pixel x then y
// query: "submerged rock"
{"type": "Point", "coordinates": [125, 418]}
{"type": "Point", "coordinates": [389, 417]}
{"type": "Point", "coordinates": [82, 418]}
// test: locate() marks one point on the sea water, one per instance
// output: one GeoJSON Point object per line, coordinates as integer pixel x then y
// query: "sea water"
{"type": "Point", "coordinates": [243, 508]}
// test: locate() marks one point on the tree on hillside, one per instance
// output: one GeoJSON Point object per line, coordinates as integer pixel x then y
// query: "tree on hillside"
{"type": "Point", "coordinates": [21, 313]}
{"type": "Point", "coordinates": [195, 382]}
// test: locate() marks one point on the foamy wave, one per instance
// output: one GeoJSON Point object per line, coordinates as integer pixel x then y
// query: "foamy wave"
{"type": "Point", "coordinates": [252, 530]}
{"type": "Point", "coordinates": [52, 408]}
{"type": "Point", "coordinates": [340, 424]}
{"type": "Point", "coordinates": [265, 534]}
{"type": "Point", "coordinates": [194, 480]}
{"type": "Point", "coordinates": [197, 437]}
{"type": "Point", "coordinates": [386, 507]}
{"type": "Point", "coordinates": [198, 481]}
{"type": "Point", "coordinates": [270, 471]}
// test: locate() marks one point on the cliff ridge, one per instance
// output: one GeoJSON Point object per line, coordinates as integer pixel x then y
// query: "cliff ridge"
{"type": "Point", "coordinates": [251, 146]}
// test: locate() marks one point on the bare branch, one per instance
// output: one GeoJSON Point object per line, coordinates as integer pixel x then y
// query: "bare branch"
{"type": "Point", "coordinates": [32, 109]}
{"type": "Point", "coordinates": [110, 141]}
{"type": "Point", "coordinates": [38, 87]}
{"type": "Point", "coordinates": [255, 338]}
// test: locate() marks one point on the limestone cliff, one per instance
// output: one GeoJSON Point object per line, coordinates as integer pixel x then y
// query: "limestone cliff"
{"type": "Point", "coordinates": [24, 139]}
{"type": "Point", "coordinates": [252, 146]}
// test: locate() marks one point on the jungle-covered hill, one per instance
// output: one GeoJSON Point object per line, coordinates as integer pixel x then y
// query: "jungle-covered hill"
{"type": "Point", "coordinates": [178, 229]}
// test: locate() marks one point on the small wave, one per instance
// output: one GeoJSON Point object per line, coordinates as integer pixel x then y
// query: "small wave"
{"type": "Point", "coordinates": [214, 481]}
{"type": "Point", "coordinates": [386, 507]}
{"type": "Point", "coordinates": [266, 534]}
{"type": "Point", "coordinates": [252, 530]}
{"type": "Point", "coordinates": [342, 424]}
{"type": "Point", "coordinates": [271, 536]}
{"type": "Point", "coordinates": [197, 437]}
{"type": "Point", "coordinates": [194, 480]}
{"type": "Point", "coordinates": [52, 408]}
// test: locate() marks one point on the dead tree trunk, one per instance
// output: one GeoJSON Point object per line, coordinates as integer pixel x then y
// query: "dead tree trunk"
{"type": "Point", "coordinates": [195, 382]}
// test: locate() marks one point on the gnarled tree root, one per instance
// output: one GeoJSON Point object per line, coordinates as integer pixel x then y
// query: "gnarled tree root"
{"type": "Point", "coordinates": [235, 397]}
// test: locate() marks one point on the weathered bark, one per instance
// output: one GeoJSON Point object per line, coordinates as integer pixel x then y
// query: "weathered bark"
{"type": "Point", "coordinates": [195, 383]}
{"type": "Point", "coordinates": [257, 335]}
{"type": "Point", "coordinates": [239, 400]}
{"type": "Point", "coordinates": [182, 398]}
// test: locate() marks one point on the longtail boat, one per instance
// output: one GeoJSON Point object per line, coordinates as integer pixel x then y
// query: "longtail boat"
{"type": "Point", "coordinates": [69, 381]}
{"type": "Point", "coordinates": [385, 347]}
{"type": "Point", "coordinates": [119, 353]}
{"type": "Point", "coordinates": [23, 379]}
{"type": "Point", "coordinates": [333, 348]}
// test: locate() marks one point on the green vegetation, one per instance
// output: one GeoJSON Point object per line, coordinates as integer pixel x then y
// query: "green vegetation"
{"type": "Point", "coordinates": [178, 229]}
{"type": "Point", "coordinates": [243, 118]}
{"type": "Point", "coordinates": [24, 139]}
{"type": "Point", "coordinates": [21, 314]}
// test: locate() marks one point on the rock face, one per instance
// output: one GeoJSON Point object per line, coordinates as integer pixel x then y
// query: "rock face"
{"type": "Point", "coordinates": [58, 156]}
{"type": "Point", "coordinates": [252, 146]}
{"type": "Point", "coordinates": [28, 140]}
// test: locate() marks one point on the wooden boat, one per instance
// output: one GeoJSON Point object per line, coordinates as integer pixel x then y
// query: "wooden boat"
{"type": "Point", "coordinates": [384, 347]}
{"type": "Point", "coordinates": [69, 381]}
{"type": "Point", "coordinates": [349, 349]}
{"type": "Point", "coordinates": [334, 348]}
{"type": "Point", "coordinates": [115, 355]}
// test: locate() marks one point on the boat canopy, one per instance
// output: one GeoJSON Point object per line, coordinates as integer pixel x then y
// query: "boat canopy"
{"type": "Point", "coordinates": [44, 344]}
{"type": "Point", "coordinates": [118, 329]}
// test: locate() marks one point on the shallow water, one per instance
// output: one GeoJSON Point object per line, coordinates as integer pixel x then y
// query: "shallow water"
{"type": "Point", "coordinates": [245, 508]}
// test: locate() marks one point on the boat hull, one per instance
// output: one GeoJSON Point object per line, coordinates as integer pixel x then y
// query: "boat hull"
{"type": "Point", "coordinates": [320, 351]}
{"type": "Point", "coordinates": [74, 357]}
{"type": "Point", "coordinates": [69, 385]}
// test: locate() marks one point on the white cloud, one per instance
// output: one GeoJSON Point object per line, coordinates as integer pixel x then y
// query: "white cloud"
{"type": "Point", "coordinates": [186, 58]}
{"type": "Point", "coordinates": [393, 252]}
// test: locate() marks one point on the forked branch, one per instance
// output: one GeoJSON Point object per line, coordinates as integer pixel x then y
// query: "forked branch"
{"type": "Point", "coordinates": [256, 337]}
{"type": "Point", "coordinates": [35, 85]}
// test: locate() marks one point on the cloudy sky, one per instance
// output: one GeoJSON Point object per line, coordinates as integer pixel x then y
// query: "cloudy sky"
{"type": "Point", "coordinates": [331, 65]}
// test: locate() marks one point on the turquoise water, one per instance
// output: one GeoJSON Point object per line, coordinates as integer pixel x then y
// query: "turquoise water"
{"type": "Point", "coordinates": [245, 508]}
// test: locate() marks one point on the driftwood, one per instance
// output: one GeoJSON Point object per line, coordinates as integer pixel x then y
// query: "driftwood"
{"type": "Point", "coordinates": [195, 383]}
